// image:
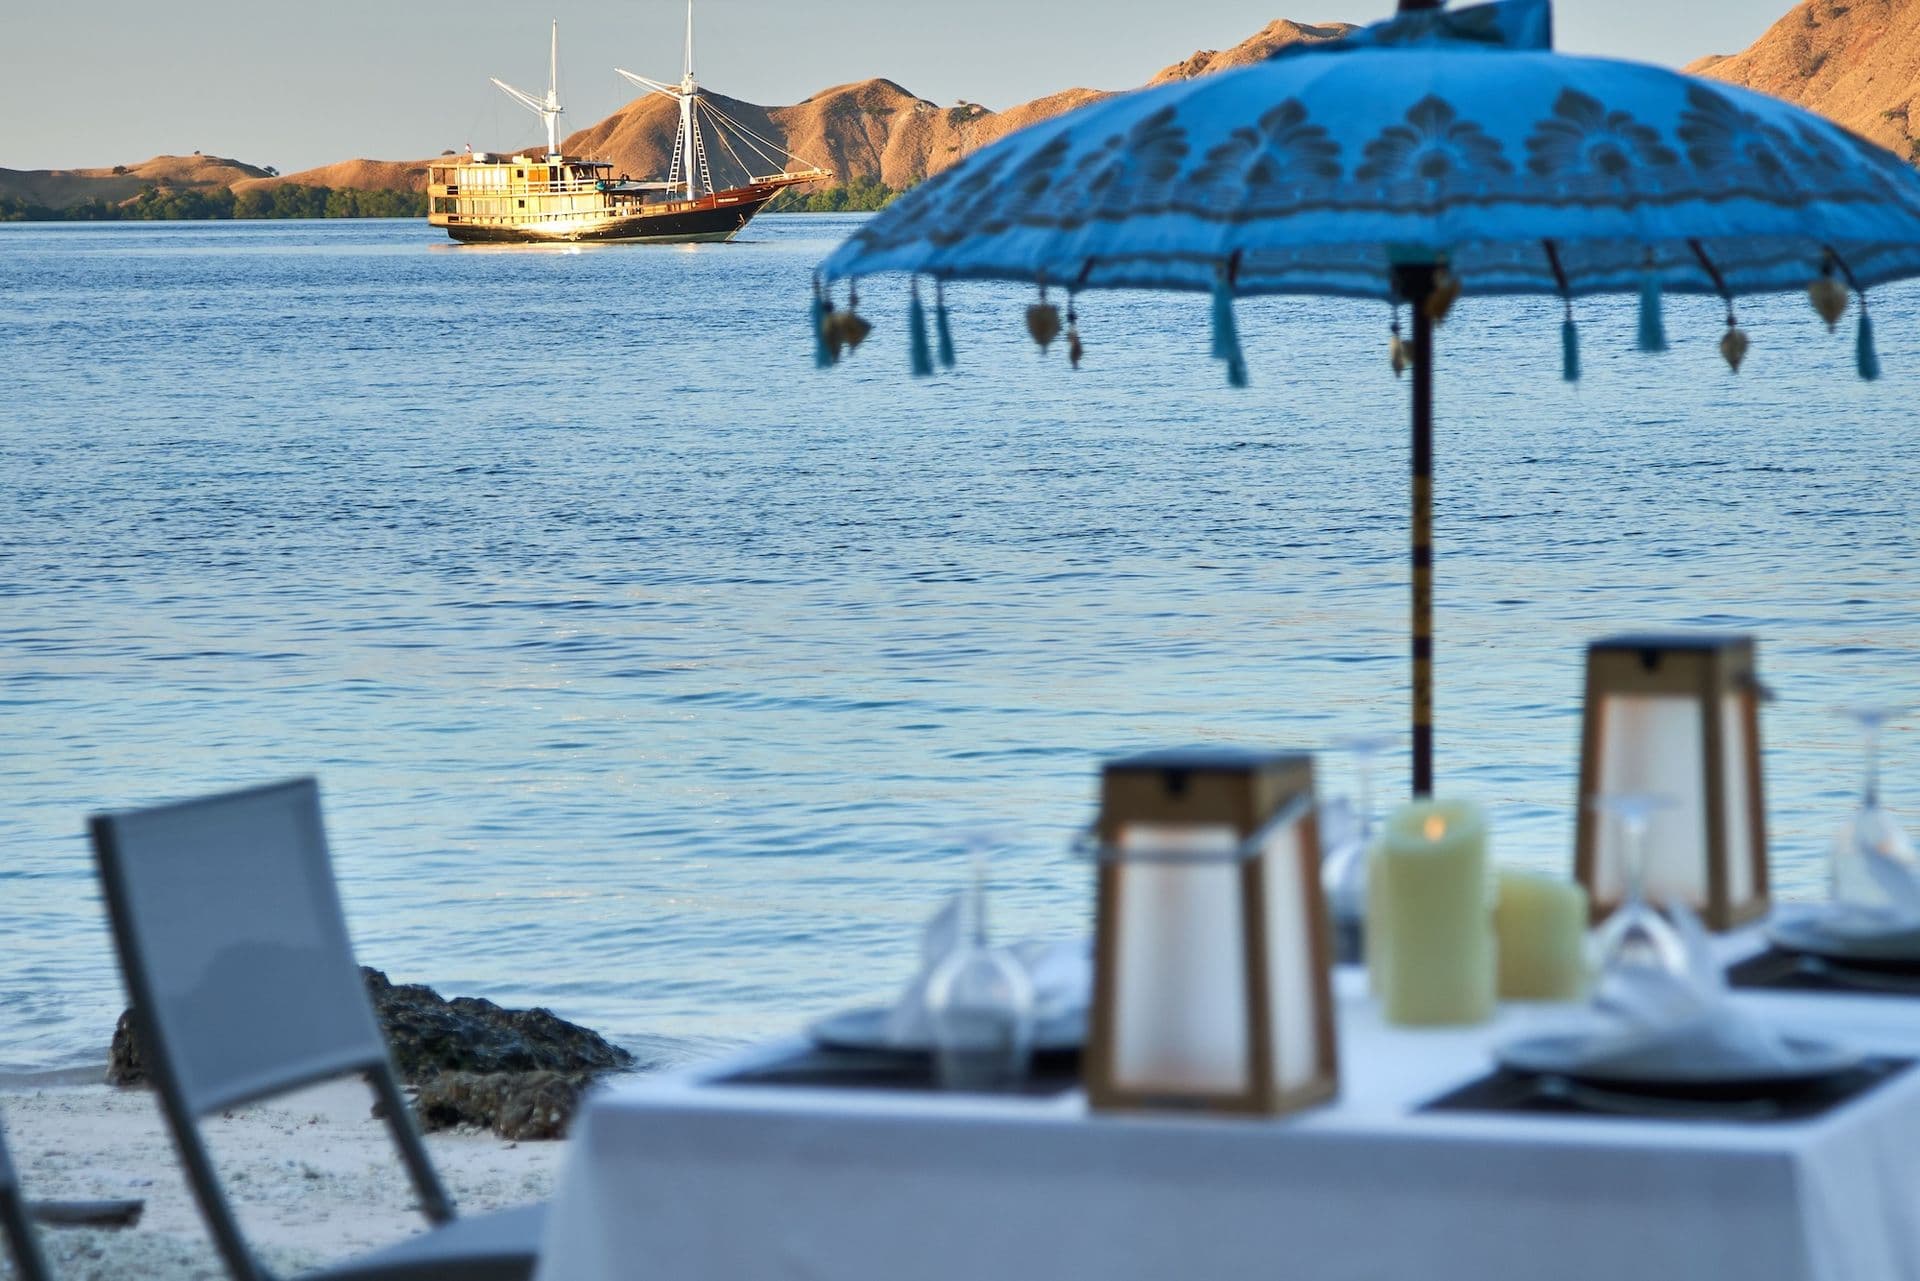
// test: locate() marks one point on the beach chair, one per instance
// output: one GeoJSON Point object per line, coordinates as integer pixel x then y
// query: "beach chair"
{"type": "Point", "coordinates": [244, 985]}
{"type": "Point", "coordinates": [28, 1263]}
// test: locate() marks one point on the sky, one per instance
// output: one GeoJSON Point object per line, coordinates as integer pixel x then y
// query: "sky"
{"type": "Point", "coordinates": [103, 82]}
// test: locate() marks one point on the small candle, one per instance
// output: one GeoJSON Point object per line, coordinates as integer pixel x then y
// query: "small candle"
{"type": "Point", "coordinates": [1541, 924]}
{"type": "Point", "coordinates": [1429, 927]}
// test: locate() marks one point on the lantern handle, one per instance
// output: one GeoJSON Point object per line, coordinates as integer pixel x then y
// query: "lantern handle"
{"type": "Point", "coordinates": [1088, 845]}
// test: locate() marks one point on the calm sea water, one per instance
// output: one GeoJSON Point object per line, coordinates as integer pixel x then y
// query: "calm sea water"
{"type": "Point", "coordinates": [654, 677]}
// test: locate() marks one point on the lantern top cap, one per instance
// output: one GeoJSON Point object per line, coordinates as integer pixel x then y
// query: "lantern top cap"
{"type": "Point", "coordinates": [1206, 759]}
{"type": "Point", "coordinates": [1685, 641]}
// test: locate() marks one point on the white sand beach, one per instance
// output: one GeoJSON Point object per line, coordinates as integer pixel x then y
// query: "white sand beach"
{"type": "Point", "coordinates": [311, 1175]}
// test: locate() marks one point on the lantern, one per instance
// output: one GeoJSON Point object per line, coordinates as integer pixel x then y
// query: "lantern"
{"type": "Point", "coordinates": [1677, 716]}
{"type": "Point", "coordinates": [1210, 978]}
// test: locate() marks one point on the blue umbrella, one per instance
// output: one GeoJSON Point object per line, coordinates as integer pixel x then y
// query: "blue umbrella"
{"type": "Point", "coordinates": [1437, 154]}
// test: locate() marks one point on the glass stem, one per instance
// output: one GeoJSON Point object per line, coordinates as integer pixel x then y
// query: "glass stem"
{"type": "Point", "coordinates": [1364, 762]}
{"type": "Point", "coordinates": [1636, 868]}
{"type": "Point", "coordinates": [1871, 790]}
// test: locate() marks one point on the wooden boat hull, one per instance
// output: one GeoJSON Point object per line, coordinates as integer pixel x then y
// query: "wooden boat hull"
{"type": "Point", "coordinates": [716, 218]}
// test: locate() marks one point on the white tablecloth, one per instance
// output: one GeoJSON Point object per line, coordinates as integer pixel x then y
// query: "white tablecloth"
{"type": "Point", "coordinates": [676, 1178]}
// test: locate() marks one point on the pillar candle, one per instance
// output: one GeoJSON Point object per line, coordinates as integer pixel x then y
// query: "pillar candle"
{"type": "Point", "coordinates": [1541, 924]}
{"type": "Point", "coordinates": [1429, 919]}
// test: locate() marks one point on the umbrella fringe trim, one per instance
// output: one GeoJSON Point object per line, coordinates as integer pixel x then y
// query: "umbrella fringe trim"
{"type": "Point", "coordinates": [920, 350]}
{"type": "Point", "coordinates": [1226, 330]}
{"type": "Point", "coordinates": [1653, 324]}
{"type": "Point", "coordinates": [942, 331]}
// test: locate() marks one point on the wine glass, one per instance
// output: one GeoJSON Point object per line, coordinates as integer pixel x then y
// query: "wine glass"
{"type": "Point", "coordinates": [1344, 873]}
{"type": "Point", "coordinates": [1636, 934]}
{"type": "Point", "coordinates": [1873, 864]}
{"type": "Point", "coordinates": [980, 1002]}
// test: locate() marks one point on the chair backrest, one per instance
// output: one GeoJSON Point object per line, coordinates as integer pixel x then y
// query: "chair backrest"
{"type": "Point", "coordinates": [233, 944]}
{"type": "Point", "coordinates": [28, 1263]}
{"type": "Point", "coordinates": [243, 981]}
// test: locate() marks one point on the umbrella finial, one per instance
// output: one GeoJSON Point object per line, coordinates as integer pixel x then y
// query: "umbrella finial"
{"type": "Point", "coordinates": [1734, 343]}
{"type": "Point", "coordinates": [1043, 320]}
{"type": "Point", "coordinates": [1414, 6]}
{"type": "Point", "coordinates": [1828, 295]}
{"type": "Point", "coordinates": [823, 353]}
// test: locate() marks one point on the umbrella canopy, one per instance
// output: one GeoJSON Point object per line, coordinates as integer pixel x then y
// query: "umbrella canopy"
{"type": "Point", "coordinates": [1437, 154]}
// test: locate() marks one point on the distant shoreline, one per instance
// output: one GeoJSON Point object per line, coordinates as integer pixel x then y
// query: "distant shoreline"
{"type": "Point", "coordinates": [286, 200]}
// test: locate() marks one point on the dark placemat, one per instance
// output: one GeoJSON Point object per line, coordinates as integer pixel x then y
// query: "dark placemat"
{"type": "Point", "coordinates": [1781, 970]}
{"type": "Point", "coordinates": [1052, 1073]}
{"type": "Point", "coordinates": [1502, 1091]}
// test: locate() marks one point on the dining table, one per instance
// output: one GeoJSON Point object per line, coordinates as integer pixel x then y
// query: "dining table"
{"type": "Point", "coordinates": [784, 1161]}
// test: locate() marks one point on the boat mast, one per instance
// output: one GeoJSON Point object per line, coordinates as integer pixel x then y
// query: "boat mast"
{"type": "Point", "coordinates": [548, 108]}
{"type": "Point", "coordinates": [687, 91]}
{"type": "Point", "coordinates": [687, 94]}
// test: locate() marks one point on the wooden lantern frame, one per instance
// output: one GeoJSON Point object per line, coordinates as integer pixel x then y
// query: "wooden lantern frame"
{"type": "Point", "coordinates": [1704, 668]}
{"type": "Point", "coordinates": [1258, 795]}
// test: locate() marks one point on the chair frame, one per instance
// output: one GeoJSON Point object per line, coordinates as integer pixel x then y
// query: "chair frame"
{"type": "Point", "coordinates": [181, 1117]}
{"type": "Point", "coordinates": [29, 1263]}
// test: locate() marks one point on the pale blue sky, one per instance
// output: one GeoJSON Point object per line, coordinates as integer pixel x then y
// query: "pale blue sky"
{"type": "Point", "coordinates": [98, 82]}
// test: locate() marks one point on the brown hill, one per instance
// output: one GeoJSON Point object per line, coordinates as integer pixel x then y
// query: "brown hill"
{"type": "Point", "coordinates": [874, 129]}
{"type": "Point", "coordinates": [1856, 62]}
{"type": "Point", "coordinates": [360, 175]}
{"type": "Point", "coordinates": [59, 188]}
{"type": "Point", "coordinates": [1258, 47]}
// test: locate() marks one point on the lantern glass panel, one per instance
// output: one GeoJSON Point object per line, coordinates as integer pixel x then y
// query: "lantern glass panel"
{"type": "Point", "coordinates": [1290, 961]}
{"type": "Point", "coordinates": [1734, 752]}
{"type": "Point", "coordinates": [1655, 743]}
{"type": "Point", "coordinates": [1180, 968]}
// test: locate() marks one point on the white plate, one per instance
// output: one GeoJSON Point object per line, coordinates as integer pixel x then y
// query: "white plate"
{"type": "Point", "coordinates": [866, 1030]}
{"type": "Point", "coordinates": [1893, 945]}
{"type": "Point", "coordinates": [1679, 1067]}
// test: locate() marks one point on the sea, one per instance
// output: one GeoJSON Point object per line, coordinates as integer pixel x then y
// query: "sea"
{"type": "Point", "coordinates": [657, 678]}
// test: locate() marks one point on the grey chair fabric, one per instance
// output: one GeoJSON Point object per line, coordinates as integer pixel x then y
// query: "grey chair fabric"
{"type": "Point", "coordinates": [244, 985]}
{"type": "Point", "coordinates": [28, 1263]}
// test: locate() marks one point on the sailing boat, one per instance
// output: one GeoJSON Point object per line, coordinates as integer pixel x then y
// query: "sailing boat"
{"type": "Point", "coordinates": [522, 199]}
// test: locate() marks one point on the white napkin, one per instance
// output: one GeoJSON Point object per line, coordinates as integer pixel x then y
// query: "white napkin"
{"type": "Point", "coordinates": [1061, 973]}
{"type": "Point", "coordinates": [1651, 1016]}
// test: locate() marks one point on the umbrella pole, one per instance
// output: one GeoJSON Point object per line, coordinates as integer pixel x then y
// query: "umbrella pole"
{"type": "Point", "coordinates": [1415, 284]}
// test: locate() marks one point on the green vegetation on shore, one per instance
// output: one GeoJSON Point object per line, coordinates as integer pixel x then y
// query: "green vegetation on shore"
{"type": "Point", "coordinates": [288, 200]}
{"type": "Point", "coordinates": [862, 195]}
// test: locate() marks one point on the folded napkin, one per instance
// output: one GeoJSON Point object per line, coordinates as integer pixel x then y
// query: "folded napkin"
{"type": "Point", "coordinates": [1645, 1016]}
{"type": "Point", "coordinates": [1061, 973]}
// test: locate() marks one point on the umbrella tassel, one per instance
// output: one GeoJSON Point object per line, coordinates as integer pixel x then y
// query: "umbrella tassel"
{"type": "Point", "coordinates": [1226, 333]}
{"type": "Point", "coordinates": [921, 350]}
{"type": "Point", "coordinates": [1653, 325]}
{"type": "Point", "coordinates": [822, 353]}
{"type": "Point", "coordinates": [1866, 358]}
{"type": "Point", "coordinates": [943, 334]}
{"type": "Point", "coordinates": [1569, 349]}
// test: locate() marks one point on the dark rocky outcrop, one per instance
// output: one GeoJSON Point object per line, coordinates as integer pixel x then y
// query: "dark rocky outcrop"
{"type": "Point", "coordinates": [514, 1105]}
{"type": "Point", "coordinates": [519, 1073]}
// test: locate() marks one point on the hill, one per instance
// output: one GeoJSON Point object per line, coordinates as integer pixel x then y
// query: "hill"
{"type": "Point", "coordinates": [875, 130]}
{"type": "Point", "coordinates": [59, 188]}
{"type": "Point", "coordinates": [1856, 62]}
{"type": "Point", "coordinates": [355, 175]}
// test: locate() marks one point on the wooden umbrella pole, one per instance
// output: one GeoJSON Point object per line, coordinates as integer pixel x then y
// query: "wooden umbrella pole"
{"type": "Point", "coordinates": [1415, 284]}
